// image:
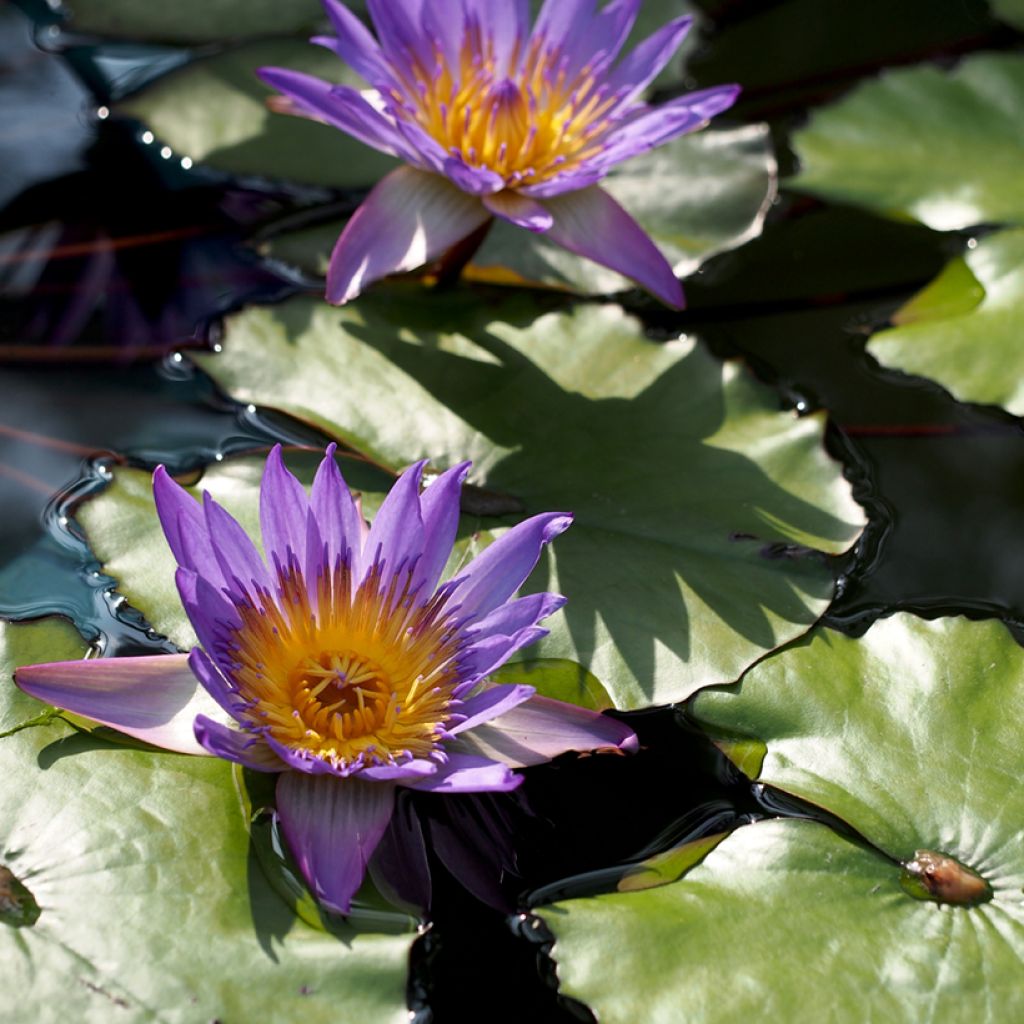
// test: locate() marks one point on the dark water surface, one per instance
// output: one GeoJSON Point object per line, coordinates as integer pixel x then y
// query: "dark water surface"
{"type": "Point", "coordinates": [111, 258]}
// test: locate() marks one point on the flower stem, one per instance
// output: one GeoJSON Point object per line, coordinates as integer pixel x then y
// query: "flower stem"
{"type": "Point", "coordinates": [453, 261]}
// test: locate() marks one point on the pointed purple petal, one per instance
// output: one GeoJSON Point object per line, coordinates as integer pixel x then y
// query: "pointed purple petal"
{"type": "Point", "coordinates": [399, 866]}
{"type": "Point", "coordinates": [409, 218]}
{"type": "Point", "coordinates": [520, 210]}
{"type": "Point", "coordinates": [284, 510]}
{"type": "Point", "coordinates": [496, 574]}
{"type": "Point", "coordinates": [356, 46]}
{"type": "Point", "coordinates": [541, 728]}
{"type": "Point", "coordinates": [184, 526]}
{"type": "Point", "coordinates": [558, 20]}
{"type": "Point", "coordinates": [477, 181]}
{"type": "Point", "coordinates": [332, 826]}
{"type": "Point", "coordinates": [506, 24]}
{"type": "Point", "coordinates": [399, 25]}
{"type": "Point", "coordinates": [234, 745]}
{"type": "Point", "coordinates": [396, 536]}
{"type": "Point", "coordinates": [494, 701]}
{"type": "Point", "coordinates": [417, 768]}
{"type": "Point", "coordinates": [214, 682]}
{"type": "Point", "coordinates": [659, 125]}
{"type": "Point", "coordinates": [644, 63]}
{"type": "Point", "coordinates": [339, 524]}
{"type": "Point", "coordinates": [491, 653]}
{"type": "Point", "coordinates": [235, 552]}
{"type": "Point", "coordinates": [340, 106]}
{"type": "Point", "coordinates": [213, 618]}
{"type": "Point", "coordinates": [515, 615]}
{"type": "Point", "coordinates": [439, 506]}
{"type": "Point", "coordinates": [154, 698]}
{"type": "Point", "coordinates": [590, 223]}
{"type": "Point", "coordinates": [469, 773]}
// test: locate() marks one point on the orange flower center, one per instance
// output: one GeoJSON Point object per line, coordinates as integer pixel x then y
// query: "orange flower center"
{"type": "Point", "coordinates": [527, 128]}
{"type": "Point", "coordinates": [360, 674]}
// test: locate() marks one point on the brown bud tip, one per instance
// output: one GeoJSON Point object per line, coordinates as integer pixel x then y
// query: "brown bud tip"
{"type": "Point", "coordinates": [947, 880]}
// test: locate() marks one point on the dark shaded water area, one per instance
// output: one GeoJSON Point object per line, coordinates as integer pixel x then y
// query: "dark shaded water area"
{"type": "Point", "coordinates": [114, 256]}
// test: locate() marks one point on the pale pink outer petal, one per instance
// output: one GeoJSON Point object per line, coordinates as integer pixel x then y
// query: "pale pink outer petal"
{"type": "Point", "coordinates": [409, 218]}
{"type": "Point", "coordinates": [154, 698]}
{"type": "Point", "coordinates": [540, 729]}
{"type": "Point", "coordinates": [592, 224]}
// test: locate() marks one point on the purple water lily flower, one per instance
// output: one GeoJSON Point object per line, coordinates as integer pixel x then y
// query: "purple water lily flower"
{"type": "Point", "coordinates": [494, 119]}
{"type": "Point", "coordinates": [338, 662]}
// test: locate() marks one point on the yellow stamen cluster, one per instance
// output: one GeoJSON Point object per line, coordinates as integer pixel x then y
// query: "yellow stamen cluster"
{"type": "Point", "coordinates": [358, 675]}
{"type": "Point", "coordinates": [527, 128]}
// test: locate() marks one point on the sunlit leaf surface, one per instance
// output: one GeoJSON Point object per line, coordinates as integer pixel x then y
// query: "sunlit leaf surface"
{"type": "Point", "coordinates": [943, 147]}
{"type": "Point", "coordinates": [910, 735]}
{"type": "Point", "coordinates": [687, 480]}
{"type": "Point", "coordinates": [786, 920]}
{"type": "Point", "coordinates": [128, 890]}
{"type": "Point", "coordinates": [964, 330]}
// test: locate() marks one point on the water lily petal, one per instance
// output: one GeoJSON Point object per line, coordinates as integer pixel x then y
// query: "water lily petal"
{"type": "Point", "coordinates": [520, 210]}
{"type": "Point", "coordinates": [662, 124]}
{"type": "Point", "coordinates": [184, 526]}
{"type": "Point", "coordinates": [153, 698]}
{"type": "Point", "coordinates": [213, 618]}
{"type": "Point", "coordinates": [515, 615]}
{"type": "Point", "coordinates": [399, 866]}
{"type": "Point", "coordinates": [409, 218]}
{"type": "Point", "coordinates": [214, 681]}
{"type": "Point", "coordinates": [234, 745]}
{"type": "Point", "coordinates": [492, 652]}
{"type": "Point", "coordinates": [506, 25]}
{"type": "Point", "coordinates": [341, 106]}
{"type": "Point", "coordinates": [355, 45]}
{"type": "Point", "coordinates": [396, 536]}
{"type": "Point", "coordinates": [645, 62]}
{"type": "Point", "coordinates": [339, 523]}
{"type": "Point", "coordinates": [284, 511]}
{"type": "Point", "coordinates": [332, 826]}
{"type": "Point", "coordinates": [439, 507]}
{"type": "Point", "coordinates": [499, 571]}
{"type": "Point", "coordinates": [590, 223]}
{"type": "Point", "coordinates": [469, 773]}
{"type": "Point", "coordinates": [477, 181]}
{"type": "Point", "coordinates": [239, 560]}
{"type": "Point", "coordinates": [540, 729]}
{"type": "Point", "coordinates": [493, 701]}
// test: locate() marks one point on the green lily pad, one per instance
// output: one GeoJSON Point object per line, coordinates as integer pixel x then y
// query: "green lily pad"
{"type": "Point", "coordinates": [1010, 11]}
{"type": "Point", "coordinates": [128, 892]}
{"type": "Point", "coordinates": [193, 21]}
{"type": "Point", "coordinates": [942, 147]}
{"type": "Point", "coordinates": [559, 680]}
{"type": "Point", "coordinates": [964, 329]}
{"type": "Point", "coordinates": [785, 920]}
{"type": "Point", "coordinates": [910, 734]}
{"type": "Point", "coordinates": [214, 112]}
{"type": "Point", "coordinates": [684, 475]}
{"type": "Point", "coordinates": [31, 643]}
{"type": "Point", "coordinates": [125, 534]}
{"type": "Point", "coordinates": [696, 196]}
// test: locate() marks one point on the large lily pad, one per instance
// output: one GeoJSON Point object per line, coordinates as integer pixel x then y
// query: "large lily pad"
{"type": "Point", "coordinates": [193, 21]}
{"type": "Point", "coordinates": [785, 920]}
{"type": "Point", "coordinates": [964, 329]}
{"type": "Point", "coordinates": [697, 196]}
{"type": "Point", "coordinates": [866, 729]}
{"type": "Point", "coordinates": [214, 111]}
{"type": "Point", "coordinates": [27, 644]}
{"type": "Point", "coordinates": [942, 147]}
{"type": "Point", "coordinates": [684, 474]}
{"type": "Point", "coordinates": [912, 736]}
{"type": "Point", "coordinates": [128, 893]}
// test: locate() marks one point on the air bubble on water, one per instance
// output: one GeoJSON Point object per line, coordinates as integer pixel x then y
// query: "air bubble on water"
{"type": "Point", "coordinates": [147, 138]}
